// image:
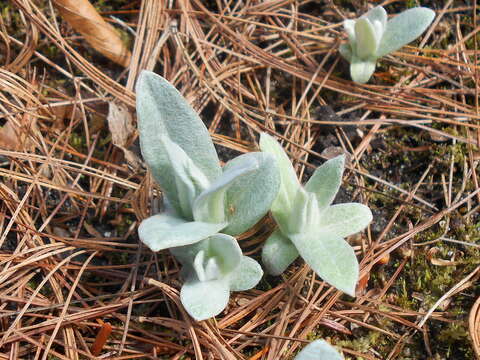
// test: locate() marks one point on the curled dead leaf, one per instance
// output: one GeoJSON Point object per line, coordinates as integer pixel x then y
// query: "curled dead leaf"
{"type": "Point", "coordinates": [120, 123]}
{"type": "Point", "coordinates": [84, 18]}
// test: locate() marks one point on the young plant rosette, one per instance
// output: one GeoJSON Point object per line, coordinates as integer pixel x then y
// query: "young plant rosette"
{"type": "Point", "coordinates": [309, 226]}
{"type": "Point", "coordinates": [372, 36]}
{"type": "Point", "coordinates": [201, 198]}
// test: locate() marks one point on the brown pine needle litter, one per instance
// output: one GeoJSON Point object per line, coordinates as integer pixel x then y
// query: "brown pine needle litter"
{"type": "Point", "coordinates": [76, 283]}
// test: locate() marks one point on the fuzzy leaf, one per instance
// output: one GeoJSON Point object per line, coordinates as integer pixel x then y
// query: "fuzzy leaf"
{"type": "Point", "coordinates": [223, 247]}
{"type": "Point", "coordinates": [361, 70]}
{"type": "Point", "coordinates": [226, 250]}
{"type": "Point", "coordinates": [250, 196]}
{"type": "Point", "coordinates": [204, 299]}
{"type": "Point", "coordinates": [404, 28]}
{"type": "Point", "coordinates": [278, 253]}
{"type": "Point", "coordinates": [304, 215]}
{"type": "Point", "coordinates": [162, 110]}
{"type": "Point", "coordinates": [185, 180]}
{"type": "Point", "coordinates": [377, 15]}
{"type": "Point", "coordinates": [210, 205]}
{"type": "Point", "coordinates": [349, 26]}
{"type": "Point", "coordinates": [200, 266]}
{"type": "Point", "coordinates": [319, 350]}
{"type": "Point", "coordinates": [289, 184]}
{"type": "Point", "coordinates": [186, 254]}
{"type": "Point", "coordinates": [246, 276]}
{"type": "Point", "coordinates": [345, 219]}
{"type": "Point", "coordinates": [289, 181]}
{"type": "Point", "coordinates": [164, 231]}
{"type": "Point", "coordinates": [331, 257]}
{"type": "Point", "coordinates": [326, 181]}
{"type": "Point", "coordinates": [346, 51]}
{"type": "Point", "coordinates": [366, 39]}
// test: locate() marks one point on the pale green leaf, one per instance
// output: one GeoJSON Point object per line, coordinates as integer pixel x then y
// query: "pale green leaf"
{"type": "Point", "coordinates": [326, 181]}
{"type": "Point", "coordinates": [162, 110]}
{"type": "Point", "coordinates": [186, 254]}
{"type": "Point", "coordinates": [278, 253]}
{"type": "Point", "coordinates": [404, 28]}
{"type": "Point", "coordinates": [345, 219]}
{"type": "Point", "coordinates": [346, 51]}
{"type": "Point", "coordinates": [204, 299]}
{"type": "Point", "coordinates": [226, 250]}
{"type": "Point", "coordinates": [246, 276]}
{"type": "Point", "coordinates": [210, 205]}
{"type": "Point", "coordinates": [361, 70]}
{"type": "Point", "coordinates": [250, 196]}
{"type": "Point", "coordinates": [289, 184]}
{"type": "Point", "coordinates": [366, 39]}
{"type": "Point", "coordinates": [319, 350]}
{"type": "Point", "coordinates": [349, 26]}
{"type": "Point", "coordinates": [331, 257]}
{"type": "Point", "coordinates": [199, 266]}
{"type": "Point", "coordinates": [188, 180]}
{"type": "Point", "coordinates": [377, 15]}
{"type": "Point", "coordinates": [164, 231]}
{"type": "Point", "coordinates": [304, 215]}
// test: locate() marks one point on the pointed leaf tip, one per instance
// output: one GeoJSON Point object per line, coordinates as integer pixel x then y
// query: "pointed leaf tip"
{"type": "Point", "coordinates": [162, 110]}
{"type": "Point", "coordinates": [326, 180]}
{"type": "Point", "coordinates": [404, 28]}
{"type": "Point", "coordinates": [246, 276]}
{"type": "Point", "coordinates": [367, 39]}
{"type": "Point", "coordinates": [164, 231]}
{"type": "Point", "coordinates": [331, 257]}
{"type": "Point", "coordinates": [345, 219]}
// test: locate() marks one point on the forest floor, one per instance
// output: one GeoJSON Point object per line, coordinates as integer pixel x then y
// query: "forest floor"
{"type": "Point", "coordinates": [76, 283]}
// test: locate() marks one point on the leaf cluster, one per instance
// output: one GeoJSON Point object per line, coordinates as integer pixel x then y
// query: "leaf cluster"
{"type": "Point", "coordinates": [202, 199]}
{"type": "Point", "coordinates": [372, 36]}
{"type": "Point", "coordinates": [207, 205]}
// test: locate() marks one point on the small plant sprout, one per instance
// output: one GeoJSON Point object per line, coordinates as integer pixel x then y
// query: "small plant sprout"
{"type": "Point", "coordinates": [371, 36]}
{"type": "Point", "coordinates": [212, 268]}
{"type": "Point", "coordinates": [201, 198]}
{"type": "Point", "coordinates": [309, 226]}
{"type": "Point", "coordinates": [319, 350]}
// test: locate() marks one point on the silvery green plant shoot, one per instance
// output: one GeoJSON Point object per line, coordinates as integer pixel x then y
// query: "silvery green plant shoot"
{"type": "Point", "coordinates": [309, 226]}
{"type": "Point", "coordinates": [319, 350]}
{"type": "Point", "coordinates": [201, 198]}
{"type": "Point", "coordinates": [372, 36]}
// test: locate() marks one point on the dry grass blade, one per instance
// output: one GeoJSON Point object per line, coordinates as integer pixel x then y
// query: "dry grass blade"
{"type": "Point", "coordinates": [84, 18]}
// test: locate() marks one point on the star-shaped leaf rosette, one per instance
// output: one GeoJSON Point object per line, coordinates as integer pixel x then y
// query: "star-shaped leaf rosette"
{"type": "Point", "coordinates": [310, 226]}
{"type": "Point", "coordinates": [372, 36]}
{"type": "Point", "coordinates": [202, 198]}
{"type": "Point", "coordinates": [212, 268]}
